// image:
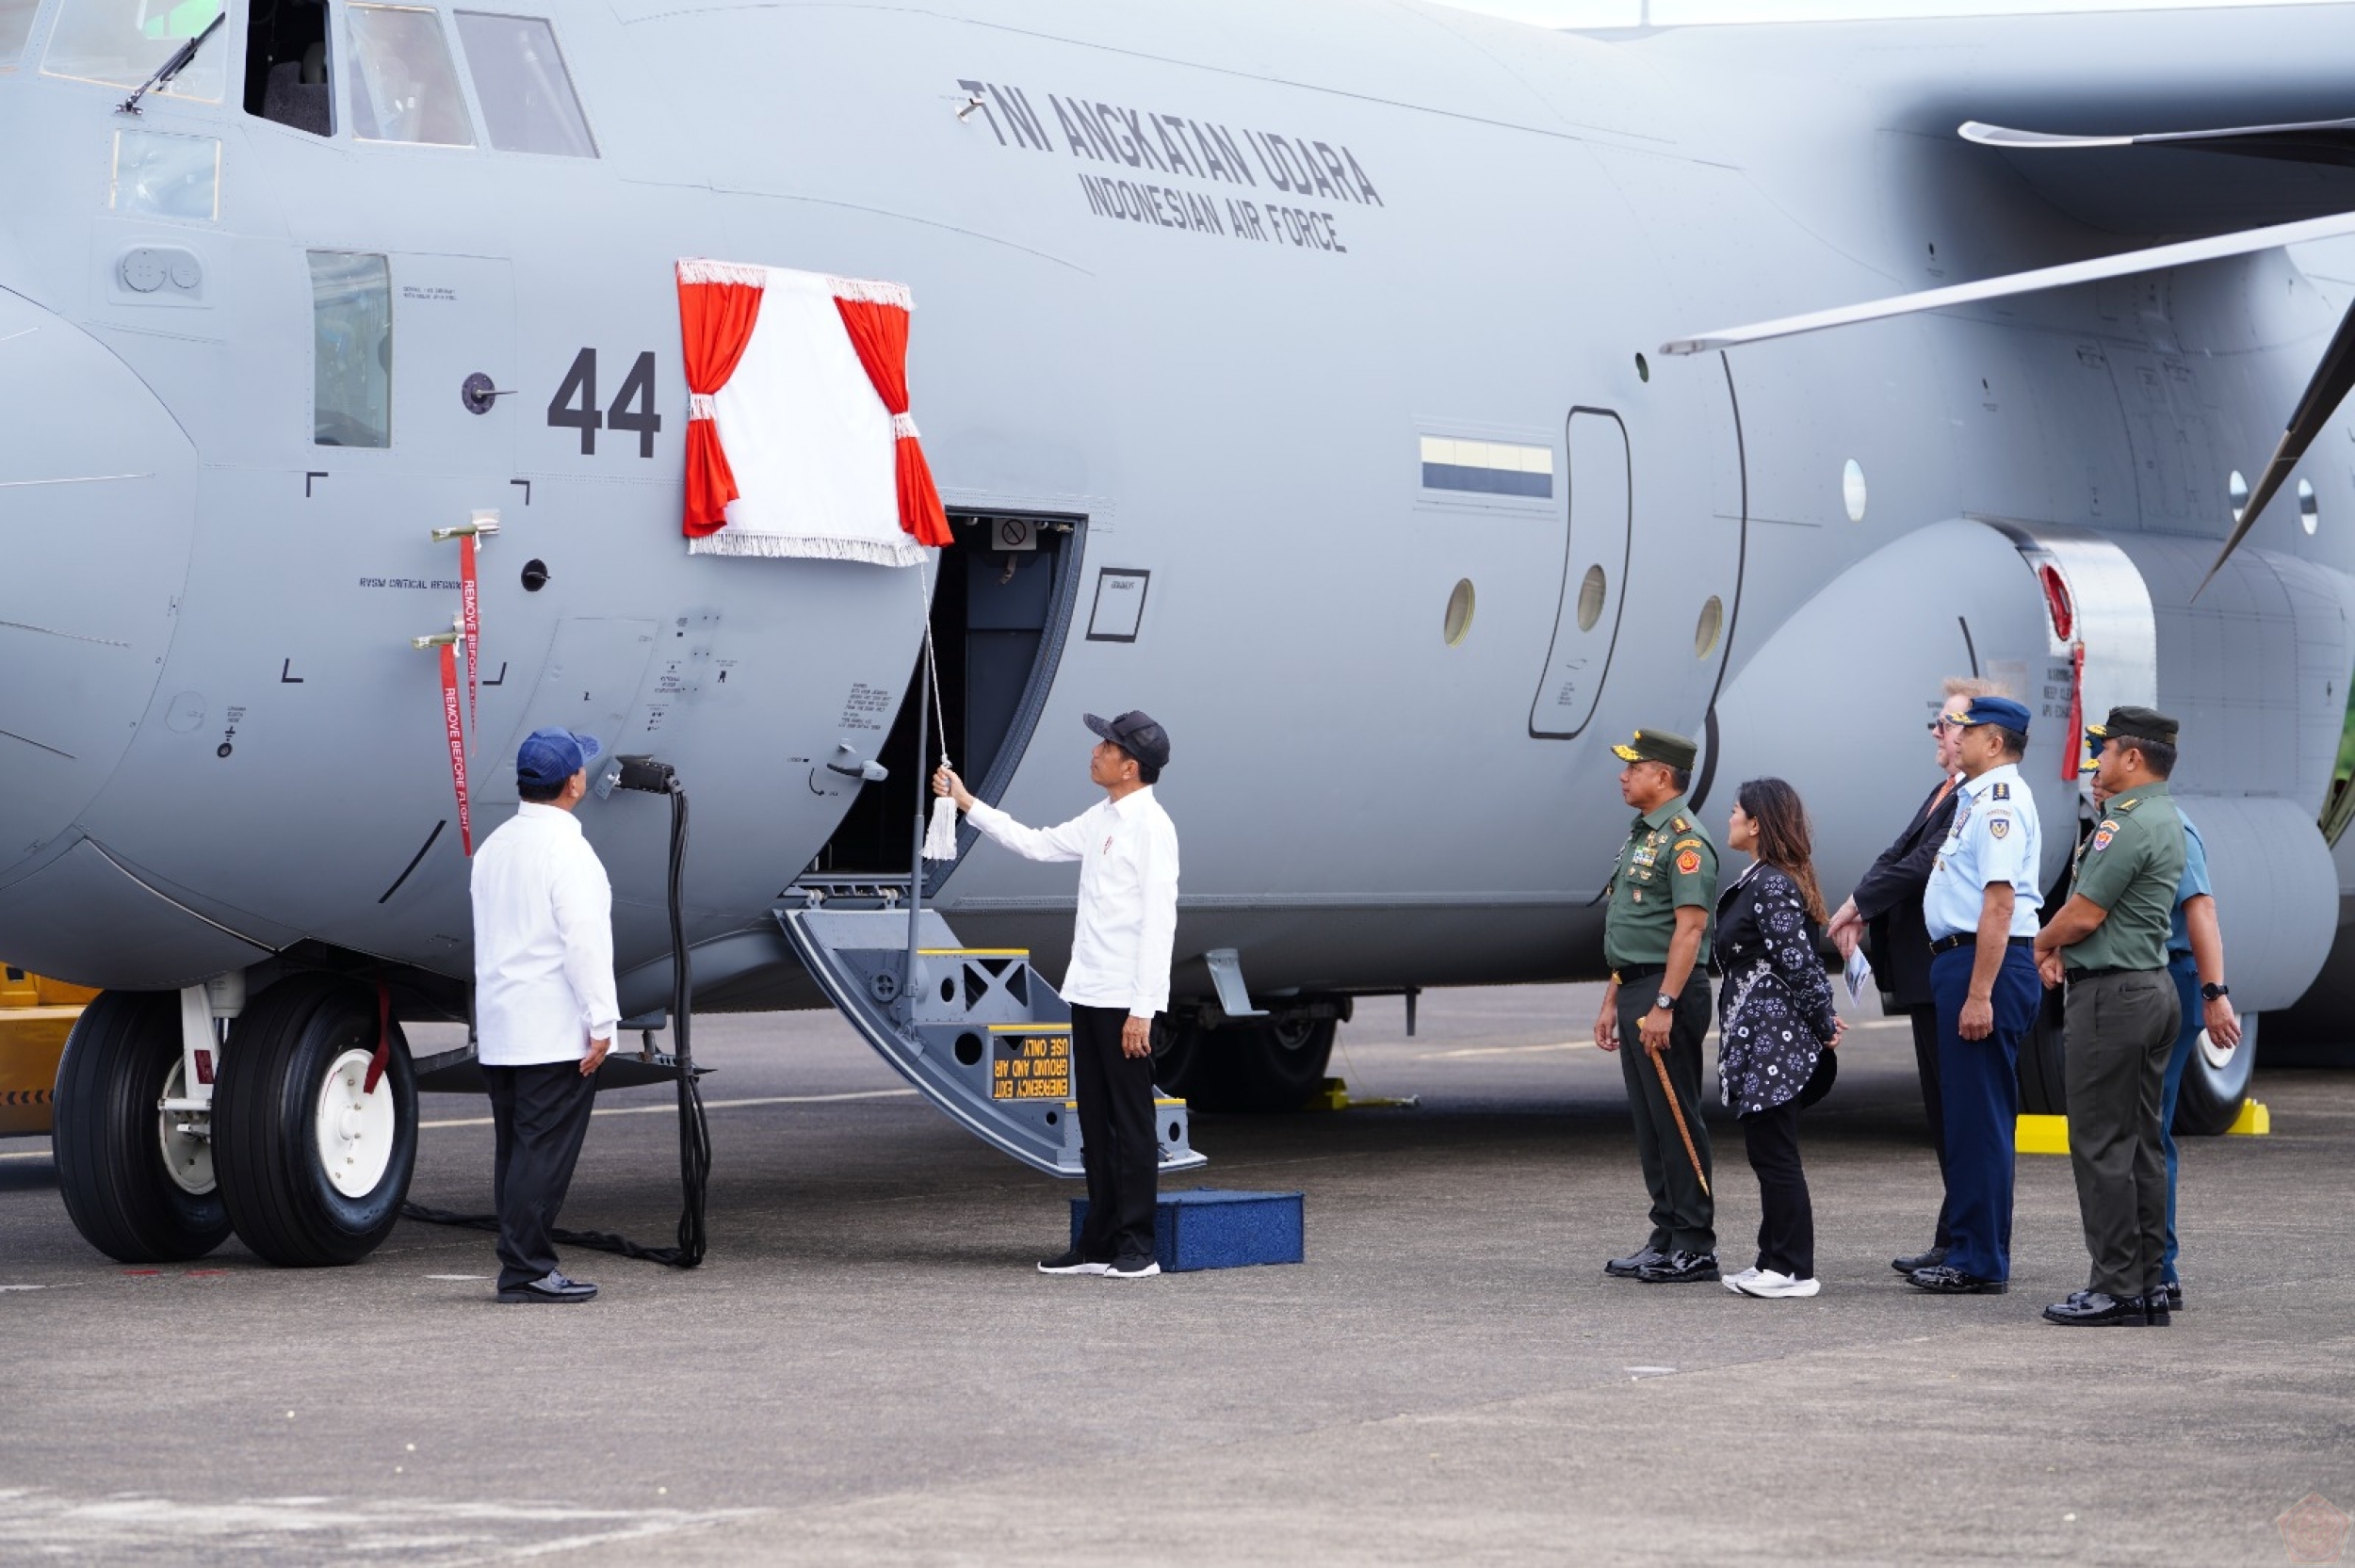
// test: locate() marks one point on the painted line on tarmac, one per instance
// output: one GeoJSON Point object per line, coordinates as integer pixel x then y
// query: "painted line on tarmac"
{"type": "Point", "coordinates": [33, 1153]}
{"type": "Point", "coordinates": [1506, 1050]}
{"type": "Point", "coordinates": [708, 1104]}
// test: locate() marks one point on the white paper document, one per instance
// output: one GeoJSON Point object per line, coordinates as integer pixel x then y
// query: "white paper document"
{"type": "Point", "coordinates": [1859, 974]}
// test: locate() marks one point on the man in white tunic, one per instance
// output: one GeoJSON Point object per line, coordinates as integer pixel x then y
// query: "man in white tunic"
{"type": "Point", "coordinates": [1118, 980]}
{"type": "Point", "coordinates": [543, 1004]}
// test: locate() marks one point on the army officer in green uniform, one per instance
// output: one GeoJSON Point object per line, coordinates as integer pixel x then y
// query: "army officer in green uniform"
{"type": "Point", "coordinates": [1654, 930]}
{"type": "Point", "coordinates": [2110, 942]}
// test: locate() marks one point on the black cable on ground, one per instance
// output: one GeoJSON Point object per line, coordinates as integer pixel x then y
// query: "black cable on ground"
{"type": "Point", "coordinates": [694, 1131]}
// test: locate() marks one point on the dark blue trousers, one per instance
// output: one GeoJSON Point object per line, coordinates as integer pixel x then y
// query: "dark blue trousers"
{"type": "Point", "coordinates": [1979, 1081]}
{"type": "Point", "coordinates": [2187, 972]}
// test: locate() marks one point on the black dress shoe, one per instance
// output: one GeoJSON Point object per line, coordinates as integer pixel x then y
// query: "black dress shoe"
{"type": "Point", "coordinates": [552, 1288]}
{"type": "Point", "coordinates": [2155, 1313]}
{"type": "Point", "coordinates": [2096, 1309]}
{"type": "Point", "coordinates": [1943, 1280]}
{"type": "Point", "coordinates": [1628, 1268]}
{"type": "Point", "coordinates": [1680, 1268]}
{"type": "Point", "coordinates": [2173, 1292]}
{"type": "Point", "coordinates": [1912, 1261]}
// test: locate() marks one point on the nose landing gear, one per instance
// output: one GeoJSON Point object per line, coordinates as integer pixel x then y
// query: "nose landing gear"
{"type": "Point", "coordinates": [314, 1164]}
{"type": "Point", "coordinates": [297, 1151]}
{"type": "Point", "coordinates": [137, 1180]}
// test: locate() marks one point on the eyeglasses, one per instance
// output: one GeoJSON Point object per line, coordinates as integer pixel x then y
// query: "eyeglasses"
{"type": "Point", "coordinates": [1944, 720]}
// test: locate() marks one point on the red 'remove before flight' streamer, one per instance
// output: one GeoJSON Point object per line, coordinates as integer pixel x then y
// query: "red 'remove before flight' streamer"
{"type": "Point", "coordinates": [453, 719]}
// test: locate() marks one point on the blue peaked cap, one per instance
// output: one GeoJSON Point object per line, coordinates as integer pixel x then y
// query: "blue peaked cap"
{"type": "Point", "coordinates": [1996, 710]}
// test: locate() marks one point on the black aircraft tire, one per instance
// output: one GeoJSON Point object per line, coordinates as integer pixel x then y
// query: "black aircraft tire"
{"type": "Point", "coordinates": [1180, 1051]}
{"type": "Point", "coordinates": [2210, 1099]}
{"type": "Point", "coordinates": [271, 1104]}
{"type": "Point", "coordinates": [105, 1135]}
{"type": "Point", "coordinates": [2043, 1089]}
{"type": "Point", "coordinates": [1263, 1067]}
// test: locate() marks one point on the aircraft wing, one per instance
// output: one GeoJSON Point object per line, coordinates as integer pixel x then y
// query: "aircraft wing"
{"type": "Point", "coordinates": [2154, 258]}
{"type": "Point", "coordinates": [2155, 181]}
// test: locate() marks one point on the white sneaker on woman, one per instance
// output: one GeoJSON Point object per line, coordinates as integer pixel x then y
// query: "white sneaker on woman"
{"type": "Point", "coordinates": [1766, 1282]}
{"type": "Point", "coordinates": [1738, 1283]}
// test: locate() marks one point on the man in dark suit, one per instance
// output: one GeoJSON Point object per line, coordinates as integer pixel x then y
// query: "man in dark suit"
{"type": "Point", "coordinates": [1885, 911]}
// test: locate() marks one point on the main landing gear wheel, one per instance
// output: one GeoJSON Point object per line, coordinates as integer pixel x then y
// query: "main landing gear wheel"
{"type": "Point", "coordinates": [137, 1185]}
{"type": "Point", "coordinates": [1260, 1067]}
{"type": "Point", "coordinates": [314, 1164]}
{"type": "Point", "coordinates": [2215, 1084]}
{"type": "Point", "coordinates": [1178, 1053]}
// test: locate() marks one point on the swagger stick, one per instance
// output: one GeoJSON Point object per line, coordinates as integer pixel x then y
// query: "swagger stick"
{"type": "Point", "coordinates": [1660, 1065]}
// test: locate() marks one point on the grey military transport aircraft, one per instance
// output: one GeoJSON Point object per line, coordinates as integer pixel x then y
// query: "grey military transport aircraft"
{"type": "Point", "coordinates": [1402, 405]}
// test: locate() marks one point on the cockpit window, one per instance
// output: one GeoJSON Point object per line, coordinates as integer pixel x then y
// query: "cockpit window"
{"type": "Point", "coordinates": [403, 85]}
{"type": "Point", "coordinates": [16, 20]}
{"type": "Point", "coordinates": [122, 43]}
{"type": "Point", "coordinates": [285, 64]}
{"type": "Point", "coordinates": [351, 349]}
{"type": "Point", "coordinates": [520, 80]}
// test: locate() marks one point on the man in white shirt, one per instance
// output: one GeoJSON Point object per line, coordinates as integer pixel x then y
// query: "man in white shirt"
{"type": "Point", "coordinates": [543, 1004]}
{"type": "Point", "coordinates": [1118, 980]}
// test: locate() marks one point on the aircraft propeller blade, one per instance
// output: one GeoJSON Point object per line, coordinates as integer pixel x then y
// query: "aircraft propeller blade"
{"type": "Point", "coordinates": [2328, 141]}
{"type": "Point", "coordinates": [2329, 387]}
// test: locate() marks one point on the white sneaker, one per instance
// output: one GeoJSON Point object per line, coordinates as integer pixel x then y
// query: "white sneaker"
{"type": "Point", "coordinates": [1766, 1282]}
{"type": "Point", "coordinates": [1737, 1283]}
{"type": "Point", "coordinates": [1132, 1271]}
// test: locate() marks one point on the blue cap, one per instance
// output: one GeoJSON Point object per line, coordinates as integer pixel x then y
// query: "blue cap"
{"type": "Point", "coordinates": [1995, 710]}
{"type": "Point", "coordinates": [548, 757]}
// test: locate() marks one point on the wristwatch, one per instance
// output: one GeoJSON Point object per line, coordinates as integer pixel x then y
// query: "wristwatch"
{"type": "Point", "coordinates": [2211, 992]}
{"type": "Point", "coordinates": [1664, 1002]}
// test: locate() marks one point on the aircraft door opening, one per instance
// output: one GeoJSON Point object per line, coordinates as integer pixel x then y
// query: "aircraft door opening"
{"type": "Point", "coordinates": [1001, 607]}
{"type": "Point", "coordinates": [1594, 577]}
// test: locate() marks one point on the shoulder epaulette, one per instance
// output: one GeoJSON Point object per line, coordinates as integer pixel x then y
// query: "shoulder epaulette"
{"type": "Point", "coordinates": [2127, 804]}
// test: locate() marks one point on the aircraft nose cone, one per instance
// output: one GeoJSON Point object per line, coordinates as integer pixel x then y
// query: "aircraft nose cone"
{"type": "Point", "coordinates": [97, 511]}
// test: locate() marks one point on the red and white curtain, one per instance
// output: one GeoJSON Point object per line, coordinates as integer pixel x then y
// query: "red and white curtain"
{"type": "Point", "coordinates": [799, 441]}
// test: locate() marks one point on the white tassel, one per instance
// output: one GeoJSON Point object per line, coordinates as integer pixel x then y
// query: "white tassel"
{"type": "Point", "coordinates": [940, 835]}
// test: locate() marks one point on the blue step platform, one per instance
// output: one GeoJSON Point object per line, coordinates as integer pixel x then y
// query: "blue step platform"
{"type": "Point", "coordinates": [1208, 1228]}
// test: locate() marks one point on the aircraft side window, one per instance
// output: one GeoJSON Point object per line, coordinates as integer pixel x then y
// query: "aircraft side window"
{"type": "Point", "coordinates": [285, 65]}
{"type": "Point", "coordinates": [121, 42]}
{"type": "Point", "coordinates": [403, 87]}
{"type": "Point", "coordinates": [519, 78]}
{"type": "Point", "coordinates": [163, 175]}
{"type": "Point", "coordinates": [16, 20]}
{"type": "Point", "coordinates": [351, 349]}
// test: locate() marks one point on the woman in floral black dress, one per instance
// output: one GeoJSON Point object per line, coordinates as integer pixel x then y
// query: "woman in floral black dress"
{"type": "Point", "coordinates": [1776, 1018]}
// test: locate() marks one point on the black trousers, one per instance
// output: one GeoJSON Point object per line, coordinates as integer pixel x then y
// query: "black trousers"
{"type": "Point", "coordinates": [541, 1115]}
{"type": "Point", "coordinates": [1786, 1221]}
{"type": "Point", "coordinates": [1933, 1103]}
{"type": "Point", "coordinates": [1116, 1137]}
{"type": "Point", "coordinates": [1682, 1217]}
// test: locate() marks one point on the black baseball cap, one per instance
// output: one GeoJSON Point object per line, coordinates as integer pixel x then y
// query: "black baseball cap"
{"type": "Point", "coordinates": [1136, 732]}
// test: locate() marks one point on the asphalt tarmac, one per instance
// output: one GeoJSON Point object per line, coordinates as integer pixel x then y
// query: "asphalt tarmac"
{"type": "Point", "coordinates": [869, 1371]}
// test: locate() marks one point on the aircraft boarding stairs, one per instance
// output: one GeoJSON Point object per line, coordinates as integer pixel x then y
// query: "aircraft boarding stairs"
{"type": "Point", "coordinates": [981, 1034]}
